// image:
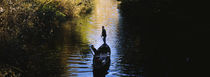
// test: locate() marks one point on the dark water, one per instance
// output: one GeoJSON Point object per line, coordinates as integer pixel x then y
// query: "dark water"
{"type": "Point", "coordinates": [69, 54]}
{"type": "Point", "coordinates": [126, 57]}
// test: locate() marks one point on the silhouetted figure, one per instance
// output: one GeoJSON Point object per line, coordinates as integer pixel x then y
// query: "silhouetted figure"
{"type": "Point", "coordinates": [103, 34]}
{"type": "Point", "coordinates": [94, 50]}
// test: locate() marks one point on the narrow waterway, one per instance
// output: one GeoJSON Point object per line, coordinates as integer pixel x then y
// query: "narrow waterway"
{"type": "Point", "coordinates": [125, 55]}
{"type": "Point", "coordinates": [67, 53]}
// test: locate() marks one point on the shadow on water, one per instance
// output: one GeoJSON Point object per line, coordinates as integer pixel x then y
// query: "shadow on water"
{"type": "Point", "coordinates": [33, 56]}
{"type": "Point", "coordinates": [170, 39]}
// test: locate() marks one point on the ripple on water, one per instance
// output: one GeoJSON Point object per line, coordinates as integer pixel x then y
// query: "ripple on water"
{"type": "Point", "coordinates": [79, 64]}
{"type": "Point", "coordinates": [80, 57]}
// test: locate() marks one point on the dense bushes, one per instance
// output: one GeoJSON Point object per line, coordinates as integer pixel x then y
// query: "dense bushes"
{"type": "Point", "coordinates": [24, 20]}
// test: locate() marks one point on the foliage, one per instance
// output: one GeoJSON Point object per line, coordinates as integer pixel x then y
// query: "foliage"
{"type": "Point", "coordinates": [28, 26]}
{"type": "Point", "coordinates": [20, 16]}
{"type": "Point", "coordinates": [50, 12]}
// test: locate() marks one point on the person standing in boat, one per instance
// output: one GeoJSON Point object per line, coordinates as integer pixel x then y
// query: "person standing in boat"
{"type": "Point", "coordinates": [103, 34]}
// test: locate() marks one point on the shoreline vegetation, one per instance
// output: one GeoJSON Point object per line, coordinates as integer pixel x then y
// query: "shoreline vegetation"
{"type": "Point", "coordinates": [18, 16]}
{"type": "Point", "coordinates": [28, 27]}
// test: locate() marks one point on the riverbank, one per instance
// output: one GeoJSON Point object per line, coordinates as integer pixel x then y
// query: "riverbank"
{"type": "Point", "coordinates": [18, 17]}
{"type": "Point", "coordinates": [28, 30]}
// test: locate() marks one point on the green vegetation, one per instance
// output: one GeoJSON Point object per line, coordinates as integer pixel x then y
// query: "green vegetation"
{"type": "Point", "coordinates": [27, 27]}
{"type": "Point", "coordinates": [16, 16]}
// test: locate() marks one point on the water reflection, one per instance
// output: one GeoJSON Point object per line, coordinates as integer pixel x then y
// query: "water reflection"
{"type": "Point", "coordinates": [34, 58]}
{"type": "Point", "coordinates": [125, 57]}
{"type": "Point", "coordinates": [69, 55]}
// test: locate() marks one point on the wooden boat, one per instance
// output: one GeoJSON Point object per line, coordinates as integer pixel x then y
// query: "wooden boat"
{"type": "Point", "coordinates": [101, 60]}
{"type": "Point", "coordinates": [101, 57]}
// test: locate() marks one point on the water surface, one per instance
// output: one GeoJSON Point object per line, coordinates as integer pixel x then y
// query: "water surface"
{"type": "Point", "coordinates": [125, 51]}
{"type": "Point", "coordinates": [67, 54]}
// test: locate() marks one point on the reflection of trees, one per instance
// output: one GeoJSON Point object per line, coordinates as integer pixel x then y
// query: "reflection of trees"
{"type": "Point", "coordinates": [131, 61]}
{"type": "Point", "coordinates": [35, 59]}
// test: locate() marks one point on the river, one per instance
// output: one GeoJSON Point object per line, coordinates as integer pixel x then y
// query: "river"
{"type": "Point", "coordinates": [125, 55]}
{"type": "Point", "coordinates": [68, 53]}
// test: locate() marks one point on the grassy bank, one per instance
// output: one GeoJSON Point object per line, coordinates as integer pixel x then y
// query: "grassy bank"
{"type": "Point", "coordinates": [28, 30]}
{"type": "Point", "coordinates": [18, 16]}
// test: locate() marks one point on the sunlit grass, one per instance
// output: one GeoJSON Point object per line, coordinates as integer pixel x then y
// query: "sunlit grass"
{"type": "Point", "coordinates": [16, 15]}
